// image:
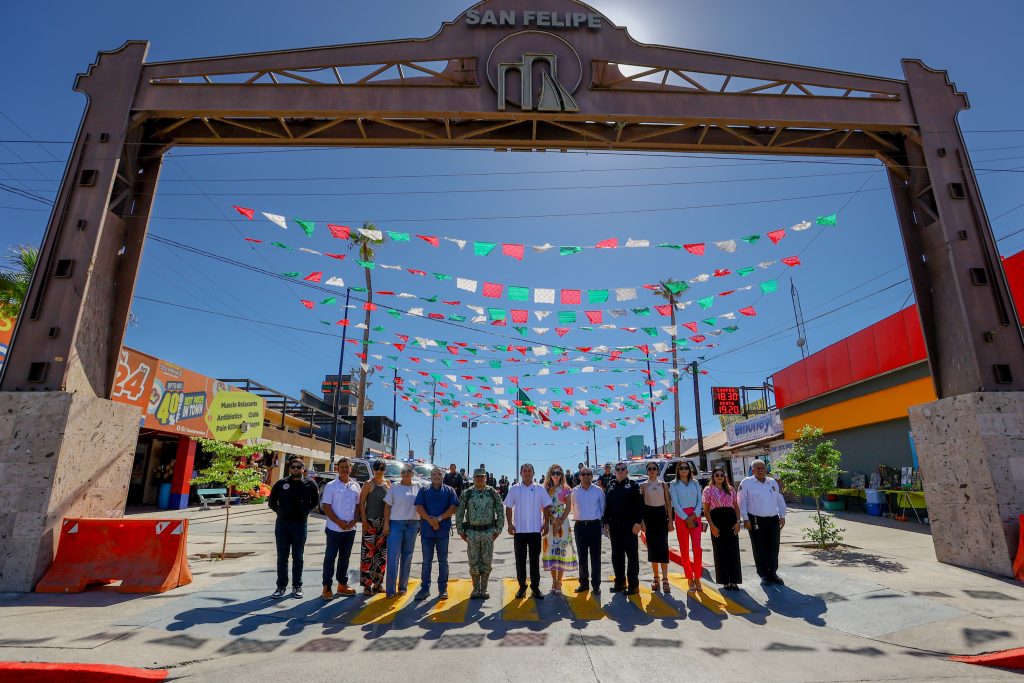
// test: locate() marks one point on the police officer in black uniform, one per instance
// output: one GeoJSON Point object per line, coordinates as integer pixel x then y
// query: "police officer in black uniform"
{"type": "Point", "coordinates": [605, 479]}
{"type": "Point", "coordinates": [623, 513]}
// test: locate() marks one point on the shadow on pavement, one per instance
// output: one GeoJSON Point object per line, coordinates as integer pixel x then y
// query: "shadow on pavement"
{"type": "Point", "coordinates": [852, 558]}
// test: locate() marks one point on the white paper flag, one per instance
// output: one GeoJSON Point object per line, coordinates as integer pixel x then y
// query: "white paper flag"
{"type": "Point", "coordinates": [703, 277]}
{"type": "Point", "coordinates": [310, 251]}
{"type": "Point", "coordinates": [661, 347]}
{"type": "Point", "coordinates": [766, 264]}
{"type": "Point", "coordinates": [479, 310]}
{"type": "Point", "coordinates": [617, 312]}
{"type": "Point", "coordinates": [543, 371]}
{"type": "Point", "coordinates": [387, 267]}
{"type": "Point", "coordinates": [375, 235]}
{"type": "Point", "coordinates": [670, 330]}
{"type": "Point", "coordinates": [727, 245]}
{"type": "Point", "coordinates": [637, 243]}
{"type": "Point", "coordinates": [479, 319]}
{"type": "Point", "coordinates": [406, 295]}
{"type": "Point", "coordinates": [541, 314]}
{"type": "Point", "coordinates": [461, 243]}
{"type": "Point", "coordinates": [625, 293]}
{"type": "Point", "coordinates": [335, 282]}
{"type": "Point", "coordinates": [416, 311]}
{"type": "Point", "coordinates": [543, 296]}
{"type": "Point", "coordinates": [728, 316]}
{"type": "Point", "coordinates": [463, 283]}
{"type": "Point", "coordinates": [276, 220]}
{"type": "Point", "coordinates": [802, 225]}
{"type": "Point", "coordinates": [540, 249]}
{"type": "Point", "coordinates": [540, 350]}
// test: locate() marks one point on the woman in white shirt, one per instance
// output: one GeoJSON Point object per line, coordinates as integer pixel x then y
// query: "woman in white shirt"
{"type": "Point", "coordinates": [686, 501]}
{"type": "Point", "coordinates": [401, 524]}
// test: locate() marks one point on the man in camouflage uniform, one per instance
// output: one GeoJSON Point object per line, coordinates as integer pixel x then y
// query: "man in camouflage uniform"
{"type": "Point", "coordinates": [479, 521]}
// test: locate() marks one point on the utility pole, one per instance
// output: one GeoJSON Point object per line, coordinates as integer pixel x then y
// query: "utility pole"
{"type": "Point", "coordinates": [650, 397]}
{"type": "Point", "coordinates": [675, 377]}
{"type": "Point", "coordinates": [618, 448]}
{"type": "Point", "coordinates": [469, 424]}
{"type": "Point", "coordinates": [433, 418]}
{"type": "Point", "coordinates": [696, 409]}
{"type": "Point", "coordinates": [394, 417]}
{"type": "Point", "coordinates": [594, 430]}
{"type": "Point", "coordinates": [586, 452]}
{"type": "Point", "coordinates": [337, 388]}
{"type": "Point", "coordinates": [664, 438]}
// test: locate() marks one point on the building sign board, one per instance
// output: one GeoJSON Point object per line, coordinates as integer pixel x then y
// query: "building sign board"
{"type": "Point", "coordinates": [757, 427]}
{"type": "Point", "coordinates": [726, 401]}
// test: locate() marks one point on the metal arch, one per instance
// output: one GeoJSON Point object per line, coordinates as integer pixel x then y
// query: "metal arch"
{"type": "Point", "coordinates": [432, 93]}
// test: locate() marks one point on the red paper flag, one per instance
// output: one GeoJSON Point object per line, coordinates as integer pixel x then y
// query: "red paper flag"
{"type": "Point", "coordinates": [698, 338]}
{"type": "Point", "coordinates": [651, 287]}
{"type": "Point", "coordinates": [429, 239]}
{"type": "Point", "coordinates": [343, 322]}
{"type": "Point", "coordinates": [400, 347]}
{"type": "Point", "coordinates": [727, 292]}
{"type": "Point", "coordinates": [452, 349]}
{"type": "Point", "coordinates": [643, 347]}
{"type": "Point", "coordinates": [561, 331]}
{"type": "Point", "coordinates": [791, 261]}
{"type": "Point", "coordinates": [384, 292]}
{"type": "Point", "coordinates": [340, 257]}
{"type": "Point", "coordinates": [610, 243]}
{"type": "Point", "coordinates": [723, 272]}
{"type": "Point", "coordinates": [595, 317]}
{"type": "Point", "coordinates": [251, 239]}
{"type": "Point", "coordinates": [690, 326]}
{"type": "Point", "coordinates": [749, 310]}
{"type": "Point", "coordinates": [514, 380]}
{"type": "Point", "coordinates": [248, 213]}
{"type": "Point", "coordinates": [403, 337]}
{"type": "Point", "coordinates": [307, 304]}
{"type": "Point", "coordinates": [570, 296]}
{"type": "Point", "coordinates": [493, 290]}
{"type": "Point", "coordinates": [416, 272]}
{"type": "Point", "coordinates": [513, 250]}
{"type": "Point", "coordinates": [341, 232]}
{"type": "Point", "coordinates": [435, 316]}
{"type": "Point", "coordinates": [369, 306]}
{"type": "Point", "coordinates": [665, 309]}
{"type": "Point", "coordinates": [776, 236]}
{"type": "Point", "coordinates": [314, 277]}
{"type": "Point", "coordinates": [450, 303]}
{"type": "Point", "coordinates": [569, 390]}
{"type": "Point", "coordinates": [520, 316]}
{"type": "Point", "coordinates": [695, 249]}
{"type": "Point", "coordinates": [584, 349]}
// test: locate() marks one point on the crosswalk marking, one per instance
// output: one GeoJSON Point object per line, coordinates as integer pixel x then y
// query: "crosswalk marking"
{"type": "Point", "coordinates": [584, 606]}
{"type": "Point", "coordinates": [709, 597]}
{"type": "Point", "coordinates": [523, 609]}
{"type": "Point", "coordinates": [652, 604]}
{"type": "Point", "coordinates": [381, 609]}
{"type": "Point", "coordinates": [453, 610]}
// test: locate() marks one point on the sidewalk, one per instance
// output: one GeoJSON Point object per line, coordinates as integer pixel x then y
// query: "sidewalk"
{"type": "Point", "coordinates": [884, 610]}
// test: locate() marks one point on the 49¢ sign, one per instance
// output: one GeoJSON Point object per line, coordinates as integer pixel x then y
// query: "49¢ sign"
{"type": "Point", "coordinates": [726, 401]}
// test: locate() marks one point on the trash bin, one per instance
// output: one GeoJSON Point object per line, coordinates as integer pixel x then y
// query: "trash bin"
{"type": "Point", "coordinates": [163, 496]}
{"type": "Point", "coordinates": [875, 496]}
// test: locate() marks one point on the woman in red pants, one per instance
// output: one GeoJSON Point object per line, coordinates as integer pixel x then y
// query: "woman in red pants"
{"type": "Point", "coordinates": [687, 504]}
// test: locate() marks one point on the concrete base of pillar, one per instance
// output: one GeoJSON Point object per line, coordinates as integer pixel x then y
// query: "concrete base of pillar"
{"type": "Point", "coordinates": [61, 455]}
{"type": "Point", "coordinates": [971, 452]}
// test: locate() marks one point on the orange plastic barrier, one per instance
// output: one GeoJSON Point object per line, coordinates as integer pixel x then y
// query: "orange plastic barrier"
{"type": "Point", "coordinates": [1018, 564]}
{"type": "Point", "coordinates": [1005, 659]}
{"type": "Point", "coordinates": [45, 672]}
{"type": "Point", "coordinates": [146, 555]}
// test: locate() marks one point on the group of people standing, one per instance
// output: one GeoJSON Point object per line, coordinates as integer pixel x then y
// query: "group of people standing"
{"type": "Point", "coordinates": [537, 516]}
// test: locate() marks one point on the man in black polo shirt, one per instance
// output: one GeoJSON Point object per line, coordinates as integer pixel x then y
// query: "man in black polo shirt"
{"type": "Point", "coordinates": [292, 498]}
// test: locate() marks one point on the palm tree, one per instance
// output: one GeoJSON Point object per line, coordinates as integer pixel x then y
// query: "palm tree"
{"type": "Point", "coordinates": [366, 245]}
{"type": "Point", "coordinates": [667, 290]}
{"type": "Point", "coordinates": [15, 279]}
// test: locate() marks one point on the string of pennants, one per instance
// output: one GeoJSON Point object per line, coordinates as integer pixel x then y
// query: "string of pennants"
{"type": "Point", "coordinates": [517, 251]}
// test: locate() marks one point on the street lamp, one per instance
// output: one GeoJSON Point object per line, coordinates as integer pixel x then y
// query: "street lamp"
{"type": "Point", "coordinates": [469, 432]}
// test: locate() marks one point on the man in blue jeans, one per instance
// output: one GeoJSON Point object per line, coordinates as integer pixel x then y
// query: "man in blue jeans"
{"type": "Point", "coordinates": [435, 505]}
{"type": "Point", "coordinates": [340, 502]}
{"type": "Point", "coordinates": [292, 498]}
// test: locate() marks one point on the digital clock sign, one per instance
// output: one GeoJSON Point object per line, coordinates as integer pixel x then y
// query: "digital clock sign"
{"type": "Point", "coordinates": [726, 401]}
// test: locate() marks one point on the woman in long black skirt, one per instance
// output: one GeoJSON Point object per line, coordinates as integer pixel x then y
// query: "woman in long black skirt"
{"type": "Point", "coordinates": [722, 510]}
{"type": "Point", "coordinates": [657, 512]}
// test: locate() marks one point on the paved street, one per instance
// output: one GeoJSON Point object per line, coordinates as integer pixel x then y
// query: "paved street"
{"type": "Point", "coordinates": [884, 610]}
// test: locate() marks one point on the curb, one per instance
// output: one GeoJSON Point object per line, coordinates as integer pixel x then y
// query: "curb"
{"type": "Point", "coordinates": [48, 672]}
{"type": "Point", "coordinates": [1005, 659]}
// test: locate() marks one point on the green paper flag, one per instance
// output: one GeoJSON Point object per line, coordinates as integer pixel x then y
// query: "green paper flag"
{"type": "Point", "coordinates": [370, 265]}
{"type": "Point", "coordinates": [398, 236]}
{"type": "Point", "coordinates": [743, 272]}
{"type": "Point", "coordinates": [676, 287]}
{"type": "Point", "coordinates": [447, 363]}
{"type": "Point", "coordinates": [769, 286]}
{"type": "Point", "coordinates": [709, 321]}
{"type": "Point", "coordinates": [291, 274]}
{"type": "Point", "coordinates": [569, 251]}
{"type": "Point", "coordinates": [731, 328]}
{"type": "Point", "coordinates": [706, 301]}
{"type": "Point", "coordinates": [457, 318]}
{"type": "Point", "coordinates": [597, 296]}
{"type": "Point", "coordinates": [307, 226]}
{"type": "Point", "coordinates": [329, 300]}
{"type": "Point", "coordinates": [395, 314]}
{"type": "Point", "coordinates": [666, 245]}
{"type": "Point", "coordinates": [358, 289]}
{"type": "Point", "coordinates": [826, 220]}
{"type": "Point", "coordinates": [520, 330]}
{"type": "Point", "coordinates": [470, 349]}
{"type": "Point", "coordinates": [519, 293]}
{"type": "Point", "coordinates": [483, 248]}
{"type": "Point", "coordinates": [496, 313]}
{"type": "Point", "coordinates": [378, 328]}
{"type": "Point", "coordinates": [751, 239]}
{"type": "Point", "coordinates": [642, 311]}
{"type": "Point", "coordinates": [442, 276]}
{"type": "Point", "coordinates": [565, 317]}
{"type": "Point", "coordinates": [282, 245]}
{"type": "Point", "coordinates": [494, 363]}
{"type": "Point", "coordinates": [652, 331]}
{"type": "Point", "coordinates": [430, 299]}
{"type": "Point", "coordinates": [586, 328]}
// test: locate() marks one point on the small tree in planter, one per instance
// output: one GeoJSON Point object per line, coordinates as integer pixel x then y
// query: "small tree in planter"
{"type": "Point", "coordinates": [811, 468]}
{"type": "Point", "coordinates": [229, 469]}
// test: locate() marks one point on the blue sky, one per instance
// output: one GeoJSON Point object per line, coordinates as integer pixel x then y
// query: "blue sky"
{"type": "Point", "coordinates": [845, 265]}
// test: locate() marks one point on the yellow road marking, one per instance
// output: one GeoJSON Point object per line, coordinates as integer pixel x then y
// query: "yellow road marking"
{"type": "Point", "coordinates": [381, 609]}
{"type": "Point", "coordinates": [524, 609]}
{"type": "Point", "coordinates": [709, 597]}
{"type": "Point", "coordinates": [652, 604]}
{"type": "Point", "coordinates": [453, 610]}
{"type": "Point", "coordinates": [584, 606]}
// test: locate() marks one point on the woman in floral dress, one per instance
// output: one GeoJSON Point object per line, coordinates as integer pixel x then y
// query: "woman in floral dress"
{"type": "Point", "coordinates": [373, 551]}
{"type": "Point", "coordinates": [558, 554]}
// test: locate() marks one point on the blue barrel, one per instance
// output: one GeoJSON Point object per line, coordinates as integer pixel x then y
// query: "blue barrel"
{"type": "Point", "coordinates": [163, 496]}
{"type": "Point", "coordinates": [874, 496]}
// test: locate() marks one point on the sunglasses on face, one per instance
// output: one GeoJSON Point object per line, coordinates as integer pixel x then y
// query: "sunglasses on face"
{"type": "Point", "coordinates": [620, 469]}
{"type": "Point", "coordinates": [652, 469]}
{"type": "Point", "coordinates": [556, 474]}
{"type": "Point", "coordinates": [295, 467]}
{"type": "Point", "coordinates": [586, 474]}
